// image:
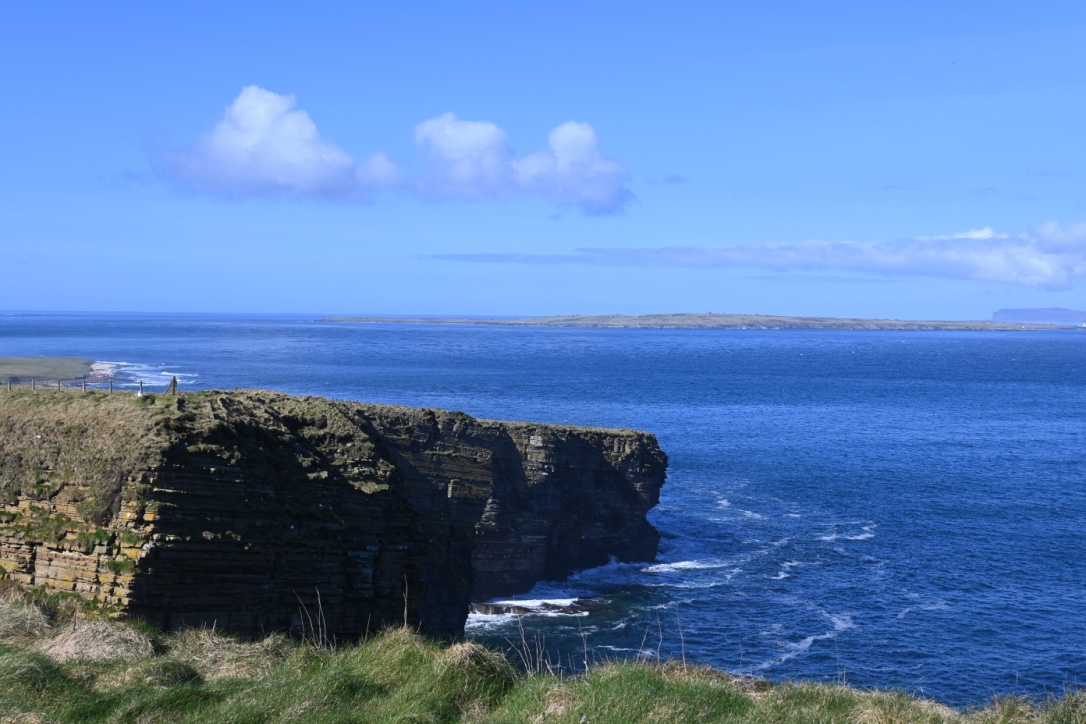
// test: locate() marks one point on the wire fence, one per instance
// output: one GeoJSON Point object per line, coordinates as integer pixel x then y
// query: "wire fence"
{"type": "Point", "coordinates": [85, 385]}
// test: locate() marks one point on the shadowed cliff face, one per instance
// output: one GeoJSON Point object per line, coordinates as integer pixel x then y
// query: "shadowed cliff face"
{"type": "Point", "coordinates": [256, 511]}
{"type": "Point", "coordinates": [543, 500]}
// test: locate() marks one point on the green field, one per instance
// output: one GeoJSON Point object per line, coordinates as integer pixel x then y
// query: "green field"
{"type": "Point", "coordinates": [24, 369]}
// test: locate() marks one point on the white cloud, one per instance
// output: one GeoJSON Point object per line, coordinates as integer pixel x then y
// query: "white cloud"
{"type": "Point", "coordinates": [1050, 256]}
{"type": "Point", "coordinates": [573, 171]}
{"type": "Point", "coordinates": [986, 232]}
{"type": "Point", "coordinates": [467, 159]}
{"type": "Point", "coordinates": [265, 144]}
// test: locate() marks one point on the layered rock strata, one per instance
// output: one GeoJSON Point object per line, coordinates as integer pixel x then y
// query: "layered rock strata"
{"type": "Point", "coordinates": [255, 511]}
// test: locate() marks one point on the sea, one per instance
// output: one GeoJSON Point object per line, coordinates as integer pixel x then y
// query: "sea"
{"type": "Point", "coordinates": [902, 510]}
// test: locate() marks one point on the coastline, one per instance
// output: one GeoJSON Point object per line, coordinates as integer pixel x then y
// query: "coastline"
{"type": "Point", "coordinates": [102, 371]}
{"type": "Point", "coordinates": [70, 370]}
{"type": "Point", "coordinates": [17, 370]}
{"type": "Point", "coordinates": [711, 321]}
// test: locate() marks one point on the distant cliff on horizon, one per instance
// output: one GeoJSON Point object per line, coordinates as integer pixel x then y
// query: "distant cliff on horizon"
{"type": "Point", "coordinates": [1042, 315]}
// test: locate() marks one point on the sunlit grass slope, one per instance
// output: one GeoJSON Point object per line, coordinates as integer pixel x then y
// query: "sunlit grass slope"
{"type": "Point", "coordinates": [58, 668]}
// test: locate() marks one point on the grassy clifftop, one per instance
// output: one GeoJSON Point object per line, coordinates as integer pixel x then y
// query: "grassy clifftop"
{"type": "Point", "coordinates": [55, 668]}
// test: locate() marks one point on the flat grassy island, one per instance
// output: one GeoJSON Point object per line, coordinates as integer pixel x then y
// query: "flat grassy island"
{"type": "Point", "coordinates": [710, 321]}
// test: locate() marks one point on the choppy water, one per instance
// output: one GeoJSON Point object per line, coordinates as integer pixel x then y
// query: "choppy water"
{"type": "Point", "coordinates": [898, 509]}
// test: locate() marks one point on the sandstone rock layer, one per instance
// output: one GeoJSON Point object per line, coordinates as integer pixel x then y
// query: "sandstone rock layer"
{"type": "Point", "coordinates": [255, 511]}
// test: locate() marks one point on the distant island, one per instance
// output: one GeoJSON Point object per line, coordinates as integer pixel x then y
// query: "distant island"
{"type": "Point", "coordinates": [708, 321]}
{"type": "Point", "coordinates": [1045, 315]}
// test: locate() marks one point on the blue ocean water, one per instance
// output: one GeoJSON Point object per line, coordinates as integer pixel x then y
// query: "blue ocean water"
{"type": "Point", "coordinates": [894, 509]}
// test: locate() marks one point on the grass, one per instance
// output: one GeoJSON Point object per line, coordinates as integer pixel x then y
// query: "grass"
{"type": "Point", "coordinates": [88, 444]}
{"type": "Point", "coordinates": [24, 369]}
{"type": "Point", "coordinates": [55, 667]}
{"type": "Point", "coordinates": [92, 448]}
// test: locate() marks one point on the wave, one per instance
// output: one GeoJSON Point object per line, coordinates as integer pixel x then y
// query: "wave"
{"type": "Point", "coordinates": [866, 532]}
{"type": "Point", "coordinates": [840, 621]}
{"type": "Point", "coordinates": [536, 602]}
{"type": "Point", "coordinates": [131, 374]}
{"type": "Point", "coordinates": [537, 607]}
{"type": "Point", "coordinates": [683, 566]}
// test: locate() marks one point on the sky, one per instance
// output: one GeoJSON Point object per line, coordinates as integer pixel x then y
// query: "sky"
{"type": "Point", "coordinates": [921, 160]}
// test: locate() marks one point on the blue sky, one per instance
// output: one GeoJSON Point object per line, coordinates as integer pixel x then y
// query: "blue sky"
{"type": "Point", "coordinates": [919, 160]}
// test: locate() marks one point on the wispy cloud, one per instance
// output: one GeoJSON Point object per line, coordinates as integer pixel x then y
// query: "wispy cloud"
{"type": "Point", "coordinates": [264, 144]}
{"type": "Point", "coordinates": [1051, 256]}
{"type": "Point", "coordinates": [672, 179]}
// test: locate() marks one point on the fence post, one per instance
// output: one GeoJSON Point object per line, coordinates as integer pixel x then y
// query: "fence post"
{"type": "Point", "coordinates": [33, 385]}
{"type": "Point", "coordinates": [111, 387]}
{"type": "Point", "coordinates": [84, 385]}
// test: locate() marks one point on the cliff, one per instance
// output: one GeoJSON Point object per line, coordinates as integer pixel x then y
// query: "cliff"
{"type": "Point", "coordinates": [256, 511]}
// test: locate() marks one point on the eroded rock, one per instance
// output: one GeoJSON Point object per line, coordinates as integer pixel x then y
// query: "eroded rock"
{"type": "Point", "coordinates": [254, 511]}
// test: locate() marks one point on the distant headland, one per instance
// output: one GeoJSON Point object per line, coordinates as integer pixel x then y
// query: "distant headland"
{"type": "Point", "coordinates": [1045, 315]}
{"type": "Point", "coordinates": [709, 321]}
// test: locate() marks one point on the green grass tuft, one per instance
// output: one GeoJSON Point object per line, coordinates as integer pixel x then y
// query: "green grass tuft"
{"type": "Point", "coordinates": [57, 667]}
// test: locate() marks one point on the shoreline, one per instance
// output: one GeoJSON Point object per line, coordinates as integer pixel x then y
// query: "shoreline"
{"type": "Point", "coordinates": [67, 371]}
{"type": "Point", "coordinates": [712, 321]}
{"type": "Point", "coordinates": [102, 371]}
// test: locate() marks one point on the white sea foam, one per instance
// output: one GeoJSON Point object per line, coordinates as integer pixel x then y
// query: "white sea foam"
{"type": "Point", "coordinates": [866, 532]}
{"type": "Point", "coordinates": [785, 568]}
{"type": "Point", "coordinates": [688, 586]}
{"type": "Point", "coordinates": [683, 566]}
{"type": "Point", "coordinates": [937, 606]}
{"type": "Point", "coordinates": [536, 602]}
{"type": "Point", "coordinates": [841, 622]}
{"type": "Point", "coordinates": [130, 374]}
{"type": "Point", "coordinates": [549, 607]}
{"type": "Point", "coordinates": [478, 623]}
{"type": "Point", "coordinates": [670, 604]}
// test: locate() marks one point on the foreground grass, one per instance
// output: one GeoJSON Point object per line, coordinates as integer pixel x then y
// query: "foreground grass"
{"type": "Point", "coordinates": [55, 668]}
{"type": "Point", "coordinates": [25, 369]}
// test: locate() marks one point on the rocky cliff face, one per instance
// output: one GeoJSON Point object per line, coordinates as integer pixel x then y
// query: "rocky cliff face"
{"type": "Point", "coordinates": [256, 511]}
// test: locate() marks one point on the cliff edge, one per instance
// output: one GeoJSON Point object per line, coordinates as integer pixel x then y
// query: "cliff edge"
{"type": "Point", "coordinates": [255, 511]}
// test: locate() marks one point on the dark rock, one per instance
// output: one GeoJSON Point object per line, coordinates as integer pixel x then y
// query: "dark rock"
{"type": "Point", "coordinates": [255, 511]}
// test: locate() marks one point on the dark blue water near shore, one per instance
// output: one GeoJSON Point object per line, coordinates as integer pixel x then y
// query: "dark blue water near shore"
{"type": "Point", "coordinates": [897, 509]}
